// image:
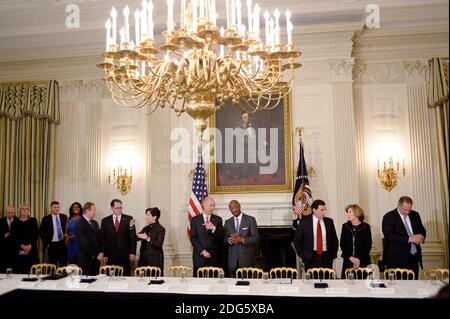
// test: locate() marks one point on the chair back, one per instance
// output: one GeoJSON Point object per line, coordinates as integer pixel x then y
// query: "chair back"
{"type": "Point", "coordinates": [400, 274]}
{"type": "Point", "coordinates": [110, 269]}
{"type": "Point", "coordinates": [249, 273]}
{"type": "Point", "coordinates": [283, 272]}
{"type": "Point", "coordinates": [322, 273]}
{"type": "Point", "coordinates": [46, 269]}
{"type": "Point", "coordinates": [177, 271]}
{"type": "Point", "coordinates": [359, 273]}
{"type": "Point", "coordinates": [69, 269]}
{"type": "Point", "coordinates": [209, 272]}
{"type": "Point", "coordinates": [441, 273]}
{"type": "Point", "coordinates": [148, 271]}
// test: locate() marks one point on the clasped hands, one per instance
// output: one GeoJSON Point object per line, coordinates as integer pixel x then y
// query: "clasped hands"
{"type": "Point", "coordinates": [417, 239]}
{"type": "Point", "coordinates": [235, 239]}
{"type": "Point", "coordinates": [356, 262]}
{"type": "Point", "coordinates": [26, 249]}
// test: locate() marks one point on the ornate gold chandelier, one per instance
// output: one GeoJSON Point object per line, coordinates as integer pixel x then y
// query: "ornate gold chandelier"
{"type": "Point", "coordinates": [199, 66]}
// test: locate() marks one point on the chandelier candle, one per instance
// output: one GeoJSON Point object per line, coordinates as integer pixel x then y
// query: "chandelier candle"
{"type": "Point", "coordinates": [200, 66]}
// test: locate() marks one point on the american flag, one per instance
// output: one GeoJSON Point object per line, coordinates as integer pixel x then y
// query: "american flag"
{"type": "Point", "coordinates": [199, 191]}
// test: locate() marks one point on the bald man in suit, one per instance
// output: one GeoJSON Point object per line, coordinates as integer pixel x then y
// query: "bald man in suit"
{"type": "Point", "coordinates": [241, 238]}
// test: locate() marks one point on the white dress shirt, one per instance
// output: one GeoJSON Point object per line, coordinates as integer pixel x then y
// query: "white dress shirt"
{"type": "Point", "coordinates": [240, 222]}
{"type": "Point", "coordinates": [324, 233]}
{"type": "Point", "coordinates": [114, 218]}
{"type": "Point", "coordinates": [406, 221]}
{"type": "Point", "coordinates": [209, 218]}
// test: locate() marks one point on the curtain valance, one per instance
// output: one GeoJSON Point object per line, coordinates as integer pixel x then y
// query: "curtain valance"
{"type": "Point", "coordinates": [39, 99]}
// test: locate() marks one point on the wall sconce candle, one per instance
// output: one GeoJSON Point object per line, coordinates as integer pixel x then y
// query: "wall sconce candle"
{"type": "Point", "coordinates": [122, 179]}
{"type": "Point", "coordinates": [391, 172]}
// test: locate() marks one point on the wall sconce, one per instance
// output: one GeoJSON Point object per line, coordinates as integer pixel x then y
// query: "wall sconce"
{"type": "Point", "coordinates": [390, 173]}
{"type": "Point", "coordinates": [122, 179]}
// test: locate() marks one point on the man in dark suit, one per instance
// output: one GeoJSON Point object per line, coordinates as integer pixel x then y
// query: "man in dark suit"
{"type": "Point", "coordinates": [403, 234]}
{"type": "Point", "coordinates": [7, 242]}
{"type": "Point", "coordinates": [241, 238]}
{"type": "Point", "coordinates": [89, 240]}
{"type": "Point", "coordinates": [206, 236]}
{"type": "Point", "coordinates": [52, 232]}
{"type": "Point", "coordinates": [119, 238]}
{"type": "Point", "coordinates": [315, 239]}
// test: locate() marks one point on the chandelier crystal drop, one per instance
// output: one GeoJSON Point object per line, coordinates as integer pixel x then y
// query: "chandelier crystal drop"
{"type": "Point", "coordinates": [199, 66]}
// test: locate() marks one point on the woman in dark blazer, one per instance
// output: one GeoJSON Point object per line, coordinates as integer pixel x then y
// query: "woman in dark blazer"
{"type": "Point", "coordinates": [152, 239]}
{"type": "Point", "coordinates": [26, 234]}
{"type": "Point", "coordinates": [356, 239]}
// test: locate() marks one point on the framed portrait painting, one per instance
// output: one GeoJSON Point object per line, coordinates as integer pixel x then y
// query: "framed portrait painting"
{"type": "Point", "coordinates": [252, 152]}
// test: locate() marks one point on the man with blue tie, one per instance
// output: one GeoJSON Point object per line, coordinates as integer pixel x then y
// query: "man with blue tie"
{"type": "Point", "coordinates": [52, 230]}
{"type": "Point", "coordinates": [241, 238]}
{"type": "Point", "coordinates": [403, 234]}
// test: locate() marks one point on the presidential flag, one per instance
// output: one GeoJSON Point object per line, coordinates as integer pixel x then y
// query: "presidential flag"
{"type": "Point", "coordinates": [199, 191]}
{"type": "Point", "coordinates": [302, 198]}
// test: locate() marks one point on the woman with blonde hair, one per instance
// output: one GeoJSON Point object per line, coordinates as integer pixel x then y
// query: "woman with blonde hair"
{"type": "Point", "coordinates": [356, 239]}
{"type": "Point", "coordinates": [26, 236]}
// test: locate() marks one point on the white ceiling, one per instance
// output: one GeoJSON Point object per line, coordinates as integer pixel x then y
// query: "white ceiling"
{"type": "Point", "coordinates": [32, 29]}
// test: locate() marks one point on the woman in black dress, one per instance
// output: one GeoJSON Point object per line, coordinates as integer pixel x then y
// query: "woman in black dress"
{"type": "Point", "coordinates": [356, 239]}
{"type": "Point", "coordinates": [152, 239]}
{"type": "Point", "coordinates": [26, 235]}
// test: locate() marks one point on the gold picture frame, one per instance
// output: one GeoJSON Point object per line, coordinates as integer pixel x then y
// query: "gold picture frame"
{"type": "Point", "coordinates": [282, 180]}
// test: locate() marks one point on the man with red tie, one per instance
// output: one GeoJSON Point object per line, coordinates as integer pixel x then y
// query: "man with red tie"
{"type": "Point", "coordinates": [315, 239]}
{"type": "Point", "coordinates": [119, 238]}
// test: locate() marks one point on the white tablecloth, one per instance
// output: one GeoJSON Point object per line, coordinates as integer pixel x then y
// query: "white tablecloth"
{"type": "Point", "coordinates": [211, 286]}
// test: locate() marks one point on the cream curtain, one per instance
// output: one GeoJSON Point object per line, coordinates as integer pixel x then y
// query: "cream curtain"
{"type": "Point", "coordinates": [438, 99]}
{"type": "Point", "coordinates": [29, 112]}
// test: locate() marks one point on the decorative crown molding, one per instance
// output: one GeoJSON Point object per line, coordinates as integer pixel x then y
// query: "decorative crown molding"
{"type": "Point", "coordinates": [82, 90]}
{"type": "Point", "coordinates": [400, 44]}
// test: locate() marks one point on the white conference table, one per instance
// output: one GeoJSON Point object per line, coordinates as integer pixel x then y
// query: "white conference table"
{"type": "Point", "coordinates": [413, 289]}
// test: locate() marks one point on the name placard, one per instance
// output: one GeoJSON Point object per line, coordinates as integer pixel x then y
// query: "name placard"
{"type": "Point", "coordinates": [26, 284]}
{"type": "Point", "coordinates": [118, 285]}
{"type": "Point", "coordinates": [426, 292]}
{"type": "Point", "coordinates": [158, 287]}
{"type": "Point", "coordinates": [49, 285]}
{"type": "Point", "coordinates": [288, 289]}
{"type": "Point", "coordinates": [383, 291]}
{"type": "Point", "coordinates": [337, 291]}
{"type": "Point", "coordinates": [198, 288]}
{"type": "Point", "coordinates": [80, 285]}
{"type": "Point", "coordinates": [238, 288]}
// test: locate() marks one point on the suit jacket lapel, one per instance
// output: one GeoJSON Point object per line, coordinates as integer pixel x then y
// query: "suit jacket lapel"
{"type": "Point", "coordinates": [412, 219]}
{"type": "Point", "coordinates": [310, 226]}
{"type": "Point", "coordinates": [400, 221]}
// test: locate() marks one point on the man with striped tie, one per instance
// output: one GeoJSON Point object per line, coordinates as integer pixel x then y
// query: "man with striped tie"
{"type": "Point", "coordinates": [404, 234]}
{"type": "Point", "coordinates": [206, 236]}
{"type": "Point", "coordinates": [52, 230]}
